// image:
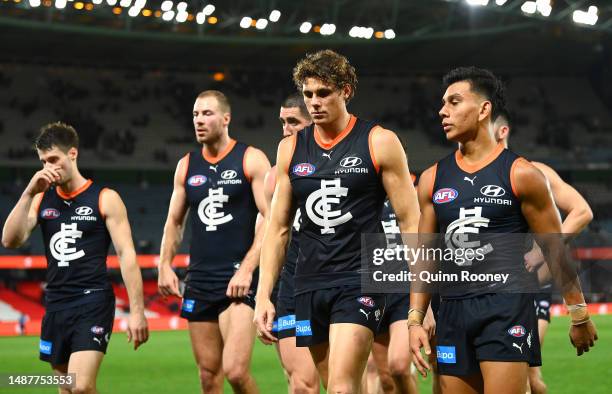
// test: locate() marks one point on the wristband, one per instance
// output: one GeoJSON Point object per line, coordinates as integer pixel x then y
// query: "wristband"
{"type": "Point", "coordinates": [579, 313]}
{"type": "Point", "coordinates": [415, 317]}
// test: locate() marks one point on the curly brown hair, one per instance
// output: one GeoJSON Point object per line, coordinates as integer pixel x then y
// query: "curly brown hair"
{"type": "Point", "coordinates": [329, 67]}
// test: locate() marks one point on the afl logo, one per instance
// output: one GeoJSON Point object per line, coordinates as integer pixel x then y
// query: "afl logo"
{"type": "Point", "coordinates": [303, 169]}
{"type": "Point", "coordinates": [517, 331]}
{"type": "Point", "coordinates": [197, 180]}
{"type": "Point", "coordinates": [367, 301]}
{"type": "Point", "coordinates": [83, 211]}
{"type": "Point", "coordinates": [50, 213]}
{"type": "Point", "coordinates": [445, 195]}
{"type": "Point", "coordinates": [229, 174]}
{"type": "Point", "coordinates": [351, 161]}
{"type": "Point", "coordinates": [492, 191]}
{"type": "Point", "coordinates": [97, 330]}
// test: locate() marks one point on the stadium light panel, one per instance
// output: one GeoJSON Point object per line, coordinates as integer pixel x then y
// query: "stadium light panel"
{"type": "Point", "coordinates": [327, 29]}
{"type": "Point", "coordinates": [181, 7]}
{"type": "Point", "coordinates": [477, 2]}
{"type": "Point", "coordinates": [586, 18]}
{"type": "Point", "coordinates": [111, 2]}
{"type": "Point", "coordinates": [368, 33]}
{"type": "Point", "coordinates": [34, 3]}
{"type": "Point", "coordinates": [167, 5]}
{"type": "Point", "coordinates": [200, 18]}
{"type": "Point", "coordinates": [117, 10]}
{"type": "Point", "coordinates": [79, 5]}
{"type": "Point", "coordinates": [60, 4]}
{"type": "Point", "coordinates": [354, 31]}
{"type": "Point", "coordinates": [389, 34]}
{"type": "Point", "coordinates": [274, 16]}
{"type": "Point", "coordinates": [529, 7]}
{"type": "Point", "coordinates": [181, 16]}
{"type": "Point", "coordinates": [168, 15]}
{"type": "Point", "coordinates": [147, 12]}
{"type": "Point", "coordinates": [305, 27]}
{"type": "Point", "coordinates": [97, 2]}
{"type": "Point", "coordinates": [245, 22]}
{"type": "Point", "coordinates": [89, 6]}
{"type": "Point", "coordinates": [213, 20]}
{"type": "Point", "coordinates": [501, 2]}
{"type": "Point", "coordinates": [544, 7]}
{"type": "Point", "coordinates": [261, 23]}
{"type": "Point", "coordinates": [208, 9]}
{"type": "Point", "coordinates": [140, 4]}
{"type": "Point", "coordinates": [125, 3]}
{"type": "Point", "coordinates": [133, 12]}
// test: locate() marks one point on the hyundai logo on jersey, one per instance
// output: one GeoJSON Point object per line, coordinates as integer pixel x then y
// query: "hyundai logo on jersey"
{"type": "Point", "coordinates": [446, 354]}
{"type": "Point", "coordinates": [445, 195]}
{"type": "Point", "coordinates": [50, 213]}
{"type": "Point", "coordinates": [83, 211]}
{"type": "Point", "coordinates": [303, 169]}
{"type": "Point", "coordinates": [197, 180]}
{"type": "Point", "coordinates": [517, 331]}
{"type": "Point", "coordinates": [188, 305]}
{"type": "Point", "coordinates": [45, 347]}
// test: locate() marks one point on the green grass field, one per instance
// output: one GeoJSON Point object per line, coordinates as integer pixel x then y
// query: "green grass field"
{"type": "Point", "coordinates": [165, 364]}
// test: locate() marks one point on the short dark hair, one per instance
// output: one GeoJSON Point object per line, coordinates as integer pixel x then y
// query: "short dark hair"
{"type": "Point", "coordinates": [327, 66]}
{"type": "Point", "coordinates": [503, 117]}
{"type": "Point", "coordinates": [296, 100]}
{"type": "Point", "coordinates": [222, 99]}
{"type": "Point", "coordinates": [483, 82]}
{"type": "Point", "coordinates": [57, 134]}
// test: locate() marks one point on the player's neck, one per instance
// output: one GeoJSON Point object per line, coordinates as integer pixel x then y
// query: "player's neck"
{"type": "Point", "coordinates": [215, 148]}
{"type": "Point", "coordinates": [329, 131]}
{"type": "Point", "coordinates": [75, 183]}
{"type": "Point", "coordinates": [476, 150]}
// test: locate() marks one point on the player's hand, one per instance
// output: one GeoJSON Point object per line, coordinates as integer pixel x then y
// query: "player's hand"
{"type": "Point", "coordinates": [42, 180]}
{"type": "Point", "coordinates": [429, 323]}
{"type": "Point", "coordinates": [167, 282]}
{"type": "Point", "coordinates": [138, 329]}
{"type": "Point", "coordinates": [240, 284]}
{"type": "Point", "coordinates": [534, 259]}
{"type": "Point", "coordinates": [264, 320]}
{"type": "Point", "coordinates": [583, 336]}
{"type": "Point", "coordinates": [418, 340]}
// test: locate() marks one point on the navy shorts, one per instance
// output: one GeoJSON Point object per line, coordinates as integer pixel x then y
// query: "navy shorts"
{"type": "Point", "coordinates": [396, 310]}
{"type": "Point", "coordinates": [284, 325]}
{"type": "Point", "coordinates": [83, 327]}
{"type": "Point", "coordinates": [542, 303]}
{"type": "Point", "coordinates": [489, 327]}
{"type": "Point", "coordinates": [207, 307]}
{"type": "Point", "coordinates": [316, 310]}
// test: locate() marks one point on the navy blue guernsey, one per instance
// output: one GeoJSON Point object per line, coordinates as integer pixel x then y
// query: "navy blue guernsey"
{"type": "Point", "coordinates": [76, 246]}
{"type": "Point", "coordinates": [223, 214]}
{"type": "Point", "coordinates": [288, 271]}
{"type": "Point", "coordinates": [340, 196]}
{"type": "Point", "coordinates": [469, 201]}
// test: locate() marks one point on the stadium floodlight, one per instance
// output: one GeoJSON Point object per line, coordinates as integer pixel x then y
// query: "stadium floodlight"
{"type": "Point", "coordinates": [274, 16]}
{"type": "Point", "coordinates": [586, 17]}
{"type": "Point", "coordinates": [181, 7]}
{"type": "Point", "coordinates": [261, 24]}
{"type": "Point", "coordinates": [34, 3]}
{"type": "Point", "coordinates": [168, 15]}
{"type": "Point", "coordinates": [327, 29]}
{"type": "Point", "coordinates": [208, 9]}
{"type": "Point", "coordinates": [354, 31]}
{"type": "Point", "coordinates": [125, 3]}
{"type": "Point", "coordinates": [305, 27]}
{"type": "Point", "coordinates": [500, 2]}
{"type": "Point", "coordinates": [96, 2]}
{"type": "Point", "coordinates": [111, 2]}
{"type": "Point", "coordinates": [60, 4]}
{"type": "Point", "coordinates": [134, 11]}
{"type": "Point", "coordinates": [181, 16]}
{"type": "Point", "coordinates": [200, 18]}
{"type": "Point", "coordinates": [544, 7]}
{"type": "Point", "coordinates": [167, 5]}
{"type": "Point", "coordinates": [477, 2]}
{"type": "Point", "coordinates": [368, 33]}
{"type": "Point", "coordinates": [245, 22]}
{"type": "Point", "coordinates": [140, 4]}
{"type": "Point", "coordinates": [529, 7]}
{"type": "Point", "coordinates": [389, 34]}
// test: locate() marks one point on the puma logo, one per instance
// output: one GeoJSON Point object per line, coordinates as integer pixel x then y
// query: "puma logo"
{"type": "Point", "coordinates": [69, 203]}
{"type": "Point", "coordinates": [214, 168]}
{"type": "Point", "coordinates": [98, 340]}
{"type": "Point", "coordinates": [367, 314]}
{"type": "Point", "coordinates": [328, 155]}
{"type": "Point", "coordinates": [465, 178]}
{"type": "Point", "coordinates": [518, 347]}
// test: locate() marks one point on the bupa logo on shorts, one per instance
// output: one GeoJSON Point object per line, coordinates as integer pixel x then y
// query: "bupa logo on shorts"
{"type": "Point", "coordinates": [285, 322]}
{"type": "Point", "coordinates": [229, 174]}
{"type": "Point", "coordinates": [302, 328]}
{"type": "Point", "coordinates": [303, 169]}
{"type": "Point", "coordinates": [50, 213]}
{"type": "Point", "coordinates": [445, 195]}
{"type": "Point", "coordinates": [83, 211]}
{"type": "Point", "coordinates": [446, 354]}
{"type": "Point", "coordinates": [196, 180]}
{"type": "Point", "coordinates": [350, 161]}
{"type": "Point", "coordinates": [188, 305]}
{"type": "Point", "coordinates": [517, 331]}
{"type": "Point", "coordinates": [367, 301]}
{"type": "Point", "coordinates": [97, 330]}
{"type": "Point", "coordinates": [45, 347]}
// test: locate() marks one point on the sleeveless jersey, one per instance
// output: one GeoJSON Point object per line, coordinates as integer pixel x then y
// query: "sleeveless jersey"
{"type": "Point", "coordinates": [340, 196]}
{"type": "Point", "coordinates": [222, 214]}
{"type": "Point", "coordinates": [481, 206]}
{"type": "Point", "coordinates": [76, 246]}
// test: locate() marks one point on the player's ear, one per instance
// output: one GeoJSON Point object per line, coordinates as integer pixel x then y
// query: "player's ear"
{"type": "Point", "coordinates": [73, 153]}
{"type": "Point", "coordinates": [227, 117]}
{"type": "Point", "coordinates": [485, 110]}
{"type": "Point", "coordinates": [346, 92]}
{"type": "Point", "coordinates": [503, 132]}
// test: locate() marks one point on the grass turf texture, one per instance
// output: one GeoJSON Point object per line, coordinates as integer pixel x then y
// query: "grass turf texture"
{"type": "Point", "coordinates": [165, 364]}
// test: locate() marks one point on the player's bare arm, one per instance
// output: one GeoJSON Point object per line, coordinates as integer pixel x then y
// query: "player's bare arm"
{"type": "Point", "coordinates": [419, 302]}
{"type": "Point", "coordinates": [167, 280]}
{"type": "Point", "coordinates": [118, 227]}
{"type": "Point", "coordinates": [22, 219]}
{"type": "Point", "coordinates": [275, 240]}
{"type": "Point", "coordinates": [542, 216]}
{"type": "Point", "coordinates": [257, 165]}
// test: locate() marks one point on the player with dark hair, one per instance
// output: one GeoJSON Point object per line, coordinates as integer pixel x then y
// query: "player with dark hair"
{"type": "Point", "coordinates": [337, 172]}
{"type": "Point", "coordinates": [222, 185]}
{"type": "Point", "coordinates": [79, 219]}
{"type": "Point", "coordinates": [485, 336]}
{"type": "Point", "coordinates": [297, 363]}
{"type": "Point", "coordinates": [578, 215]}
